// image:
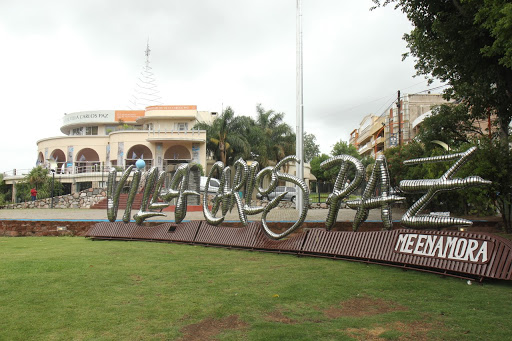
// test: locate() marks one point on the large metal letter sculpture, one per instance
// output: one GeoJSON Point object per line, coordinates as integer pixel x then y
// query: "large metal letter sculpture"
{"type": "Point", "coordinates": [368, 201]}
{"type": "Point", "coordinates": [432, 186]}
{"type": "Point", "coordinates": [249, 189]}
{"type": "Point", "coordinates": [153, 181]}
{"type": "Point", "coordinates": [275, 177]}
{"type": "Point", "coordinates": [134, 188]}
{"type": "Point", "coordinates": [152, 187]}
{"type": "Point", "coordinates": [114, 191]}
{"type": "Point", "coordinates": [340, 189]}
{"type": "Point", "coordinates": [245, 179]}
{"type": "Point", "coordinates": [226, 196]}
{"type": "Point", "coordinates": [178, 188]}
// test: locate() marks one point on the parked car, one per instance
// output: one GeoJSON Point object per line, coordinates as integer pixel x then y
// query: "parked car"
{"type": "Point", "coordinates": [290, 196]}
{"type": "Point", "coordinates": [212, 188]}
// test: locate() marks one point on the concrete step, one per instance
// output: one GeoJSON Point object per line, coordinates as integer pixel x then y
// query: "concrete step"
{"type": "Point", "coordinates": [123, 198]}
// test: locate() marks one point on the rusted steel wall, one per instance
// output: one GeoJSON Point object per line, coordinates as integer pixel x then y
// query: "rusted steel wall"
{"type": "Point", "coordinates": [240, 237]}
{"type": "Point", "coordinates": [472, 254]}
{"type": "Point", "coordinates": [185, 232]}
{"type": "Point", "coordinates": [293, 244]}
{"type": "Point", "coordinates": [466, 254]}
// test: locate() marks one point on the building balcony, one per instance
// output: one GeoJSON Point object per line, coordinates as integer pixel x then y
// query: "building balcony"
{"type": "Point", "coordinates": [364, 149]}
{"type": "Point", "coordinates": [379, 140]}
{"type": "Point", "coordinates": [177, 135]}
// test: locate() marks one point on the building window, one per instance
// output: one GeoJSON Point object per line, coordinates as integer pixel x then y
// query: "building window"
{"type": "Point", "coordinates": [181, 126]}
{"type": "Point", "coordinates": [77, 131]}
{"type": "Point", "coordinates": [91, 130]}
{"type": "Point", "coordinates": [109, 129]}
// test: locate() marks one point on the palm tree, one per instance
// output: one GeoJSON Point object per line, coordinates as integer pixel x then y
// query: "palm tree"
{"type": "Point", "coordinates": [274, 138]}
{"type": "Point", "coordinates": [37, 176]}
{"type": "Point", "coordinates": [225, 136]}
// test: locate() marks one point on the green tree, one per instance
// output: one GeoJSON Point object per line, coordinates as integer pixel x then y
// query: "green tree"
{"type": "Point", "coordinates": [344, 148]}
{"type": "Point", "coordinates": [41, 179]}
{"type": "Point", "coordinates": [37, 176]}
{"type": "Point", "coordinates": [450, 124]}
{"type": "Point", "coordinates": [311, 148]}
{"type": "Point", "coordinates": [273, 139]}
{"type": "Point", "coordinates": [340, 148]}
{"type": "Point", "coordinates": [225, 138]}
{"type": "Point", "coordinates": [5, 193]}
{"type": "Point", "coordinates": [475, 201]}
{"type": "Point", "coordinates": [320, 173]}
{"type": "Point", "coordinates": [395, 158]}
{"type": "Point", "coordinates": [468, 45]}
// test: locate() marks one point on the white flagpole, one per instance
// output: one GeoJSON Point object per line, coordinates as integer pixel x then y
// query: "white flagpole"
{"type": "Point", "coordinates": [299, 131]}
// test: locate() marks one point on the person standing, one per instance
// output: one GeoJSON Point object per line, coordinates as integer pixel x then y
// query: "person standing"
{"type": "Point", "coordinates": [33, 193]}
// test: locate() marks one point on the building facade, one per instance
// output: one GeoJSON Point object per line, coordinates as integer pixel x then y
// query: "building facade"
{"type": "Point", "coordinates": [398, 126]}
{"type": "Point", "coordinates": [93, 141]}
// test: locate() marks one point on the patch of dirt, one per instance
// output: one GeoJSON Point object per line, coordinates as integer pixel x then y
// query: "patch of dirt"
{"type": "Point", "coordinates": [136, 278]}
{"type": "Point", "coordinates": [364, 306]}
{"type": "Point", "coordinates": [366, 334]}
{"type": "Point", "coordinates": [417, 330]}
{"type": "Point", "coordinates": [209, 328]}
{"type": "Point", "coordinates": [277, 316]}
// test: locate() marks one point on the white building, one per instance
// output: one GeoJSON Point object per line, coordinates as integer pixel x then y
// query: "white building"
{"type": "Point", "coordinates": [93, 141]}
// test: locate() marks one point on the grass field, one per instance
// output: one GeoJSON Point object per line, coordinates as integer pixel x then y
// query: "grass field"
{"type": "Point", "coordinates": [322, 197]}
{"type": "Point", "coordinates": [57, 288]}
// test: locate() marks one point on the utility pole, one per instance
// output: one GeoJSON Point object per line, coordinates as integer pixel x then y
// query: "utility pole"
{"type": "Point", "coordinates": [399, 119]}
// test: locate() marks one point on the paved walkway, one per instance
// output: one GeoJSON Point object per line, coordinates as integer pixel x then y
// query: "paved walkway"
{"type": "Point", "coordinates": [283, 215]}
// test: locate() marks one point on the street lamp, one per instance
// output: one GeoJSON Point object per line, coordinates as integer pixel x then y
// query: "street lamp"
{"type": "Point", "coordinates": [53, 184]}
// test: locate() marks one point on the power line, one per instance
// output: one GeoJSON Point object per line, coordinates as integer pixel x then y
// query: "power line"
{"type": "Point", "coordinates": [437, 87]}
{"type": "Point", "coordinates": [392, 98]}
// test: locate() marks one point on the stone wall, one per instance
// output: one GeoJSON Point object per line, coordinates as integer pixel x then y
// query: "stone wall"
{"type": "Point", "coordinates": [84, 199]}
{"type": "Point", "coordinates": [91, 196]}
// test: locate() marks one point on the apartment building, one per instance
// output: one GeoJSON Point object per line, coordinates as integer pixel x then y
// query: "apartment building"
{"type": "Point", "coordinates": [398, 126]}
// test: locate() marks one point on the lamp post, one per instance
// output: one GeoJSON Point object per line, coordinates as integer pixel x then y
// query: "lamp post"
{"type": "Point", "coordinates": [53, 184]}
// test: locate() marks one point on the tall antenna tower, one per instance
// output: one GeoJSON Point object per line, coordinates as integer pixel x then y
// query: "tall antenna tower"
{"type": "Point", "coordinates": [145, 92]}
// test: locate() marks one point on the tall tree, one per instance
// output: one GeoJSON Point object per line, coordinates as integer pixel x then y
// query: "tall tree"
{"type": "Point", "coordinates": [469, 45]}
{"type": "Point", "coordinates": [311, 148]}
{"type": "Point", "coordinates": [344, 148]}
{"type": "Point", "coordinates": [274, 139]}
{"type": "Point", "coordinates": [321, 174]}
{"type": "Point", "coordinates": [450, 124]}
{"type": "Point", "coordinates": [225, 138]}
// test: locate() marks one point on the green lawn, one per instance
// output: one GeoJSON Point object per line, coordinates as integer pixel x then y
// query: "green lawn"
{"type": "Point", "coordinates": [58, 288]}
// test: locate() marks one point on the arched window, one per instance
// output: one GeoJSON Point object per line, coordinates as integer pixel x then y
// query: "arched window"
{"type": "Point", "coordinates": [137, 152]}
{"type": "Point", "coordinates": [59, 157]}
{"type": "Point", "coordinates": [87, 160]}
{"type": "Point", "coordinates": [177, 153]}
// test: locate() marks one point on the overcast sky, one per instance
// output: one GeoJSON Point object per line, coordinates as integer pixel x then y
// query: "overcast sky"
{"type": "Point", "coordinates": [63, 56]}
